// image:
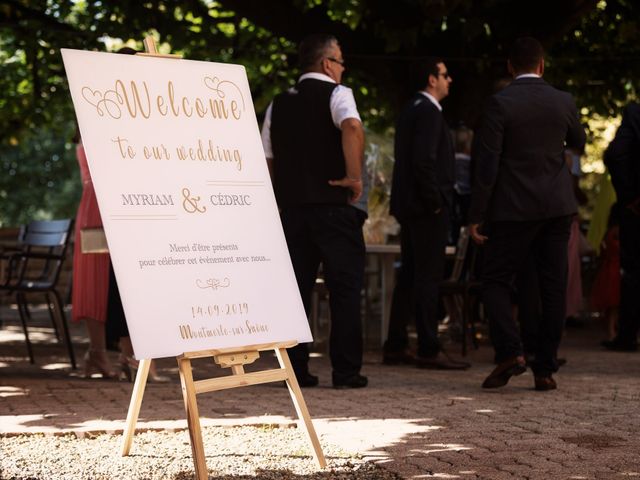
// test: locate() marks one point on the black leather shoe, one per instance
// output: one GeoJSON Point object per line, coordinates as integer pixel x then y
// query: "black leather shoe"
{"type": "Point", "coordinates": [398, 358]}
{"type": "Point", "coordinates": [616, 345]}
{"type": "Point", "coordinates": [544, 384]}
{"type": "Point", "coordinates": [354, 381]}
{"type": "Point", "coordinates": [441, 361]}
{"type": "Point", "coordinates": [504, 371]}
{"type": "Point", "coordinates": [307, 380]}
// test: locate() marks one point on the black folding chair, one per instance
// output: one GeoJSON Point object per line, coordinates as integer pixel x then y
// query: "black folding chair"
{"type": "Point", "coordinates": [458, 289]}
{"type": "Point", "coordinates": [35, 268]}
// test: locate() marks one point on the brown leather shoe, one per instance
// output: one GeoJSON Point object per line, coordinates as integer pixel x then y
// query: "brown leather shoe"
{"type": "Point", "coordinates": [545, 383]}
{"type": "Point", "coordinates": [441, 361]}
{"type": "Point", "coordinates": [504, 371]}
{"type": "Point", "coordinates": [403, 357]}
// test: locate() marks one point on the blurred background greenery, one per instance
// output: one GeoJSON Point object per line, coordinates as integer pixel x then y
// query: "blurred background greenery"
{"type": "Point", "coordinates": [593, 51]}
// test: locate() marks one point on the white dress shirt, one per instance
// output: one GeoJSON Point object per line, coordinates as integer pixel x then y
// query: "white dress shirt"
{"type": "Point", "coordinates": [527, 75]}
{"type": "Point", "coordinates": [342, 105]}
{"type": "Point", "coordinates": [432, 98]}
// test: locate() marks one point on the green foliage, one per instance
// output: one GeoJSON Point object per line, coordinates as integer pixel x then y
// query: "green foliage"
{"type": "Point", "coordinates": [39, 171]}
{"type": "Point", "coordinates": [39, 178]}
{"type": "Point", "coordinates": [593, 49]}
{"type": "Point", "coordinates": [599, 59]}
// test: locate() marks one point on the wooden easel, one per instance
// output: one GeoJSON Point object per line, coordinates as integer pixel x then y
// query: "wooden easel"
{"type": "Point", "coordinates": [233, 358]}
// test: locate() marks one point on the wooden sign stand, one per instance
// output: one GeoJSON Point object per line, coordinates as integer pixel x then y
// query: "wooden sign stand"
{"type": "Point", "coordinates": [233, 358]}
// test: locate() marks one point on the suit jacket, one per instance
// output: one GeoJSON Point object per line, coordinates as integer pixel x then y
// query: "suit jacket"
{"type": "Point", "coordinates": [623, 156]}
{"type": "Point", "coordinates": [520, 170]}
{"type": "Point", "coordinates": [424, 169]}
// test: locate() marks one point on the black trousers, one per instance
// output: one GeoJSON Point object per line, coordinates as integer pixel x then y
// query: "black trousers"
{"type": "Point", "coordinates": [528, 302]}
{"type": "Point", "coordinates": [508, 247]}
{"type": "Point", "coordinates": [459, 215]}
{"type": "Point", "coordinates": [629, 320]}
{"type": "Point", "coordinates": [331, 235]}
{"type": "Point", "coordinates": [116, 325]}
{"type": "Point", "coordinates": [423, 242]}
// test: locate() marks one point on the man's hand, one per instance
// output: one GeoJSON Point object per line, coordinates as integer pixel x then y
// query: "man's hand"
{"type": "Point", "coordinates": [355, 185]}
{"type": "Point", "coordinates": [474, 231]}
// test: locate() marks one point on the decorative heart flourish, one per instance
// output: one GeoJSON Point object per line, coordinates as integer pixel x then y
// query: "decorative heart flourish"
{"type": "Point", "coordinates": [107, 101]}
{"type": "Point", "coordinates": [215, 84]}
{"type": "Point", "coordinates": [92, 97]}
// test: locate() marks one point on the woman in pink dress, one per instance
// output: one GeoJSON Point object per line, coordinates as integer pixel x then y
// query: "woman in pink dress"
{"type": "Point", "coordinates": [90, 278]}
{"type": "Point", "coordinates": [91, 288]}
{"type": "Point", "coordinates": [605, 291]}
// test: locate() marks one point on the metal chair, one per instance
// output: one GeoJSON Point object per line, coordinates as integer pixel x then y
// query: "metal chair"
{"type": "Point", "coordinates": [35, 268]}
{"type": "Point", "coordinates": [457, 290]}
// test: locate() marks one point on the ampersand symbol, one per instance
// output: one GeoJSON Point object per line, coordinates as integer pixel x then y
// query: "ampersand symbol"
{"type": "Point", "coordinates": [190, 204]}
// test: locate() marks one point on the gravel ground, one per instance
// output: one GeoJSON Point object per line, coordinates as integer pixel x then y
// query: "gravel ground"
{"type": "Point", "coordinates": [231, 453]}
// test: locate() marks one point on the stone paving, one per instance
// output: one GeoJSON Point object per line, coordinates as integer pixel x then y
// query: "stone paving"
{"type": "Point", "coordinates": [417, 423]}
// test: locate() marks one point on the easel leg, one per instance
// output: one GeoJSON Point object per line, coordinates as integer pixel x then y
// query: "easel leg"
{"type": "Point", "coordinates": [134, 405]}
{"type": "Point", "coordinates": [193, 418]}
{"type": "Point", "coordinates": [301, 406]}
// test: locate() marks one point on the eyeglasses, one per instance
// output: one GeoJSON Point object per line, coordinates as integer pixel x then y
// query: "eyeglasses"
{"type": "Point", "coordinates": [339, 62]}
{"type": "Point", "coordinates": [444, 74]}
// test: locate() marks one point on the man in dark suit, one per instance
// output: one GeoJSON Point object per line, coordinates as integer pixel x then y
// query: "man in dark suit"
{"type": "Point", "coordinates": [421, 199]}
{"type": "Point", "coordinates": [623, 161]}
{"type": "Point", "coordinates": [523, 199]}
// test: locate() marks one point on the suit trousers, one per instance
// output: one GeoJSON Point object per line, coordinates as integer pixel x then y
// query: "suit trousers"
{"type": "Point", "coordinates": [331, 235]}
{"type": "Point", "coordinates": [116, 324]}
{"type": "Point", "coordinates": [528, 301]}
{"type": "Point", "coordinates": [629, 321]}
{"type": "Point", "coordinates": [509, 245]}
{"type": "Point", "coordinates": [423, 242]}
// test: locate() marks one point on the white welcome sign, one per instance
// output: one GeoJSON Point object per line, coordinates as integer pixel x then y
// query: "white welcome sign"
{"type": "Point", "coordinates": [189, 213]}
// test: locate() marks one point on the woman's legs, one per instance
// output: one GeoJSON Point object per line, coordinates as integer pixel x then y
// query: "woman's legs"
{"type": "Point", "coordinates": [96, 359]}
{"type": "Point", "coordinates": [130, 364]}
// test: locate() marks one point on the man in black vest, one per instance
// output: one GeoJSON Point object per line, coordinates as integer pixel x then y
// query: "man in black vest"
{"type": "Point", "coordinates": [523, 198]}
{"type": "Point", "coordinates": [421, 200]}
{"type": "Point", "coordinates": [314, 144]}
{"type": "Point", "coordinates": [623, 161]}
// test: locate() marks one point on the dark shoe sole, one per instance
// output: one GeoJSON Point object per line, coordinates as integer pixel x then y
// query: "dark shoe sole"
{"type": "Point", "coordinates": [357, 382]}
{"type": "Point", "coordinates": [545, 386]}
{"type": "Point", "coordinates": [307, 380]}
{"type": "Point", "coordinates": [344, 387]}
{"type": "Point", "coordinates": [307, 385]}
{"type": "Point", "coordinates": [502, 379]}
{"type": "Point", "coordinates": [301, 385]}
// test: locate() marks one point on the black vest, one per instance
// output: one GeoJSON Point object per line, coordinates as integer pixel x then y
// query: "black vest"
{"type": "Point", "coordinates": [307, 146]}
